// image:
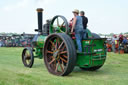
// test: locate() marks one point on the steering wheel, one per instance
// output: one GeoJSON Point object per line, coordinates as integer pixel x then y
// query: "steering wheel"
{"type": "Point", "coordinates": [59, 24]}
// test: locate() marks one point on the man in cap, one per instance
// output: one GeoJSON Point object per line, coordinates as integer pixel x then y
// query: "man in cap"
{"type": "Point", "coordinates": [78, 27]}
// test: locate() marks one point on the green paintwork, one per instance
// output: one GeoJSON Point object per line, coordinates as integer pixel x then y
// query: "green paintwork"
{"type": "Point", "coordinates": [40, 41]}
{"type": "Point", "coordinates": [38, 53]}
{"type": "Point", "coordinates": [96, 56]}
{"type": "Point", "coordinates": [89, 33]}
{"type": "Point", "coordinates": [58, 29]}
{"type": "Point", "coordinates": [39, 46]}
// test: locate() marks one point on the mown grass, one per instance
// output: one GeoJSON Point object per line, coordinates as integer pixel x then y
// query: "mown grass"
{"type": "Point", "coordinates": [13, 72]}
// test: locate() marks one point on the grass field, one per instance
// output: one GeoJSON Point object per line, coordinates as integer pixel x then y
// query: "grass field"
{"type": "Point", "coordinates": [13, 72]}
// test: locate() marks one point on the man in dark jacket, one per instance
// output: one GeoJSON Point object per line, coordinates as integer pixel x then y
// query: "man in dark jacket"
{"type": "Point", "coordinates": [85, 22]}
{"type": "Point", "coordinates": [85, 19]}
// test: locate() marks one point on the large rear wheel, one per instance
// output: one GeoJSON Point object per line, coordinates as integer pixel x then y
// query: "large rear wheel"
{"type": "Point", "coordinates": [59, 54]}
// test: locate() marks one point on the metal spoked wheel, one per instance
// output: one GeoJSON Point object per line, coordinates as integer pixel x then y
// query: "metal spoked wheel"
{"type": "Point", "coordinates": [59, 24]}
{"type": "Point", "coordinates": [27, 57]}
{"type": "Point", "coordinates": [59, 54]}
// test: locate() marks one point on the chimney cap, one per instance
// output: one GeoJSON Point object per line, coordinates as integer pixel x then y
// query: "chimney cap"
{"type": "Point", "coordinates": [39, 10]}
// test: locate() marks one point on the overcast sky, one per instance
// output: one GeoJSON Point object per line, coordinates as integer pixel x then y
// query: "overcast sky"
{"type": "Point", "coordinates": [105, 16]}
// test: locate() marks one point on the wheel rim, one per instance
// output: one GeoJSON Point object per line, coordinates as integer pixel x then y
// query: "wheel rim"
{"type": "Point", "coordinates": [59, 24]}
{"type": "Point", "coordinates": [27, 57]}
{"type": "Point", "coordinates": [56, 54]}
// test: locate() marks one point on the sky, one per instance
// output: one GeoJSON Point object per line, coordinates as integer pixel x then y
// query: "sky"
{"type": "Point", "coordinates": [105, 16]}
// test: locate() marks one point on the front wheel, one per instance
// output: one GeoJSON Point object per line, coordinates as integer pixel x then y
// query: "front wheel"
{"type": "Point", "coordinates": [27, 57]}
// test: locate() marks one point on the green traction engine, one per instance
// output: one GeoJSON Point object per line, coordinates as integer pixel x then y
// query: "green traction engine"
{"type": "Point", "coordinates": [57, 46]}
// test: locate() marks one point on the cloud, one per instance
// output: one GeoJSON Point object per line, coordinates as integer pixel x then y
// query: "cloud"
{"type": "Point", "coordinates": [43, 3]}
{"type": "Point", "coordinates": [20, 4]}
{"type": "Point", "coordinates": [25, 3]}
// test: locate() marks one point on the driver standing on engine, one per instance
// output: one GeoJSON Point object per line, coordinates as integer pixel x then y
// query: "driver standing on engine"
{"type": "Point", "coordinates": [78, 27]}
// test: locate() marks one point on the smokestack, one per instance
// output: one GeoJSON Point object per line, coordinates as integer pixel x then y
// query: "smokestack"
{"type": "Point", "coordinates": [40, 20]}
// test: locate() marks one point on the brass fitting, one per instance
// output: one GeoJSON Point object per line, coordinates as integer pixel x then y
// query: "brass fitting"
{"type": "Point", "coordinates": [39, 10]}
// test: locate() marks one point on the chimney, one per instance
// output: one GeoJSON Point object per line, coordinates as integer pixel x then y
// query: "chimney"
{"type": "Point", "coordinates": [40, 20]}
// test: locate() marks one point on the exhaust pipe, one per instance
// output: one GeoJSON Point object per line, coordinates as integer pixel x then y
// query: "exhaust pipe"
{"type": "Point", "coordinates": [40, 20]}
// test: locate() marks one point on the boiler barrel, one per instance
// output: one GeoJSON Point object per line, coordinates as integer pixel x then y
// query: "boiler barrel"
{"type": "Point", "coordinates": [38, 41]}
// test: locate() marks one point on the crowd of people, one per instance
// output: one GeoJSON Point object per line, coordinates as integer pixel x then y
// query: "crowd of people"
{"type": "Point", "coordinates": [118, 43]}
{"type": "Point", "coordinates": [15, 41]}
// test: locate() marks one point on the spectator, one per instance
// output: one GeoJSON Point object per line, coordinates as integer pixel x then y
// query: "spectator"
{"type": "Point", "coordinates": [125, 41]}
{"type": "Point", "coordinates": [114, 42]}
